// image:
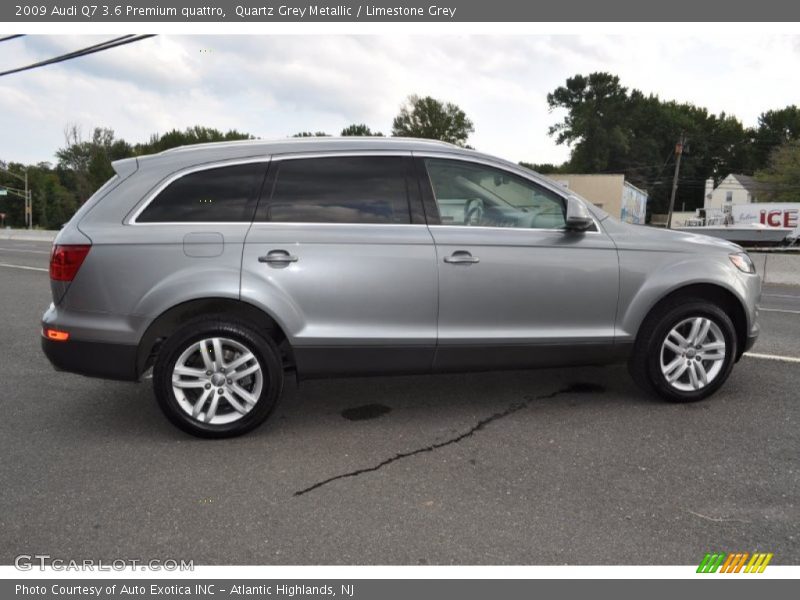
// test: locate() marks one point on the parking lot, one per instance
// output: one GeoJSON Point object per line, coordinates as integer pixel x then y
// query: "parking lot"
{"type": "Point", "coordinates": [540, 467]}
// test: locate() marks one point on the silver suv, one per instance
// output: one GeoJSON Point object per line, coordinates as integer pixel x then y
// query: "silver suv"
{"type": "Point", "coordinates": [223, 267]}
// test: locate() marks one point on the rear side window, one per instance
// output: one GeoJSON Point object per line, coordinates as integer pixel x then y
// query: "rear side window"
{"type": "Point", "coordinates": [358, 189]}
{"type": "Point", "coordinates": [220, 195]}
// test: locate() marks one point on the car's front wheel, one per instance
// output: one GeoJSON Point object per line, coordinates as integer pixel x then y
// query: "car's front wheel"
{"type": "Point", "coordinates": [685, 350]}
{"type": "Point", "coordinates": [215, 378]}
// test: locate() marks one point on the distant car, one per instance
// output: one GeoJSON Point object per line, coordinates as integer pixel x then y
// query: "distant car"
{"type": "Point", "coordinates": [225, 266]}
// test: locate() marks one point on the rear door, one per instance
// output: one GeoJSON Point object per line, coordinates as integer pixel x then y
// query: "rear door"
{"type": "Point", "coordinates": [515, 288]}
{"type": "Point", "coordinates": [340, 255]}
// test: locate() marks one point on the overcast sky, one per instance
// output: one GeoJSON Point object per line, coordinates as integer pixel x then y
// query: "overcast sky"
{"type": "Point", "coordinates": [274, 86]}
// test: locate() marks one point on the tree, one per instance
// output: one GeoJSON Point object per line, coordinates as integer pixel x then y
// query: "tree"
{"type": "Point", "coordinates": [543, 168]}
{"type": "Point", "coordinates": [359, 130]}
{"type": "Point", "coordinates": [775, 127]}
{"type": "Point", "coordinates": [432, 119]}
{"type": "Point", "coordinates": [595, 123]}
{"type": "Point", "coordinates": [306, 134]}
{"type": "Point", "coordinates": [11, 204]}
{"type": "Point", "coordinates": [191, 135]}
{"type": "Point", "coordinates": [90, 160]}
{"type": "Point", "coordinates": [615, 130]}
{"type": "Point", "coordinates": [781, 178]}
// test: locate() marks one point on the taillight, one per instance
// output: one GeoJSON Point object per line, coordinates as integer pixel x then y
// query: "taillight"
{"type": "Point", "coordinates": [65, 260]}
{"type": "Point", "coordinates": [55, 334]}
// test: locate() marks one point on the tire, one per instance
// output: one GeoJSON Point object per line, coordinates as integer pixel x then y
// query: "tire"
{"type": "Point", "coordinates": [234, 398]}
{"type": "Point", "coordinates": [655, 360]}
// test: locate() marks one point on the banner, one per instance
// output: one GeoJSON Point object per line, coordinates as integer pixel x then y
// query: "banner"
{"type": "Point", "coordinates": [244, 11]}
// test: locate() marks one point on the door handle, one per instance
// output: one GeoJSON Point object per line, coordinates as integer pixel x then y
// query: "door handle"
{"type": "Point", "coordinates": [461, 257]}
{"type": "Point", "coordinates": [277, 257]}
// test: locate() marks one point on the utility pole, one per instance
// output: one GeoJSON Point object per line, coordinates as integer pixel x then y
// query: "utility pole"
{"type": "Point", "coordinates": [28, 204]}
{"type": "Point", "coordinates": [678, 154]}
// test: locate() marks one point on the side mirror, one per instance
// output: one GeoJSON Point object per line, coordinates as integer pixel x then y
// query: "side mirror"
{"type": "Point", "coordinates": [578, 216]}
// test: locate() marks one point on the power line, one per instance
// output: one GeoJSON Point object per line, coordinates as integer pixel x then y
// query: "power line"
{"type": "Point", "coordinates": [120, 41]}
{"type": "Point", "coordinates": [11, 37]}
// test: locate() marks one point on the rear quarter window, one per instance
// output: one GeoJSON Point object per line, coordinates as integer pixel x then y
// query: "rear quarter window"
{"type": "Point", "coordinates": [218, 195]}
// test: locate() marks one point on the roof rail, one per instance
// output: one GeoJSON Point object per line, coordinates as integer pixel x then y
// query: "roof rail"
{"type": "Point", "coordinates": [306, 140]}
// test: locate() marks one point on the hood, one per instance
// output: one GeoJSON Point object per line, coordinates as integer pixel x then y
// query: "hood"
{"type": "Point", "coordinates": [640, 237]}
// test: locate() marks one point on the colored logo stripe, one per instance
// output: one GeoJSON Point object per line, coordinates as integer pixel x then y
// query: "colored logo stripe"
{"type": "Point", "coordinates": [711, 563]}
{"type": "Point", "coordinates": [758, 563]}
{"type": "Point", "coordinates": [733, 562]}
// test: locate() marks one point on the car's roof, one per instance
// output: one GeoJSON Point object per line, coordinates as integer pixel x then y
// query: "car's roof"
{"type": "Point", "coordinates": [183, 157]}
{"type": "Point", "coordinates": [220, 151]}
{"type": "Point", "coordinates": [318, 143]}
{"type": "Point", "coordinates": [199, 154]}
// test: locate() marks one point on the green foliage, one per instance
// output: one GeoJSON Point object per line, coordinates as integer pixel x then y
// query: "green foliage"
{"type": "Point", "coordinates": [595, 124]}
{"type": "Point", "coordinates": [609, 127]}
{"type": "Point", "coordinates": [84, 165]}
{"type": "Point", "coordinates": [432, 119]}
{"type": "Point", "coordinates": [781, 177]}
{"type": "Point", "coordinates": [90, 160]}
{"type": "Point", "coordinates": [612, 129]}
{"type": "Point", "coordinates": [359, 129]}
{"type": "Point", "coordinates": [543, 168]}
{"type": "Point", "coordinates": [191, 135]}
{"type": "Point", "coordinates": [775, 127]}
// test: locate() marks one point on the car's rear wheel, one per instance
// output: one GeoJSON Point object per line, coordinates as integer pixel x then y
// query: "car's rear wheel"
{"type": "Point", "coordinates": [685, 350]}
{"type": "Point", "coordinates": [217, 378]}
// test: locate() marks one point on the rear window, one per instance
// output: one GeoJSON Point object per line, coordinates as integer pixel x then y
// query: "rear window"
{"type": "Point", "coordinates": [360, 189]}
{"type": "Point", "coordinates": [220, 195]}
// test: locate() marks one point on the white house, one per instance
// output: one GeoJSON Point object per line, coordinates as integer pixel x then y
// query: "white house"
{"type": "Point", "coordinates": [734, 189]}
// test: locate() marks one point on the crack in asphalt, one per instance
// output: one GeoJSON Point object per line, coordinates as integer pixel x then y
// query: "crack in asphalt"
{"type": "Point", "coordinates": [517, 406]}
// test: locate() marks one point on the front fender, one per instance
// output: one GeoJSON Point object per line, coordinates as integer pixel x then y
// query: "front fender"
{"type": "Point", "coordinates": [648, 277]}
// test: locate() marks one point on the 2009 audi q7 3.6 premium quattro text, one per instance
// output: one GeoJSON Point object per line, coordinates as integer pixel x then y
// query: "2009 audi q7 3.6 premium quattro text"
{"type": "Point", "coordinates": [226, 266]}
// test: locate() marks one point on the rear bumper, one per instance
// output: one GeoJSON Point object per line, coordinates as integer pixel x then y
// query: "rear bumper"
{"type": "Point", "coordinates": [93, 359]}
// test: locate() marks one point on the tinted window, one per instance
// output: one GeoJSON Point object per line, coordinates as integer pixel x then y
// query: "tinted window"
{"type": "Point", "coordinates": [361, 189]}
{"type": "Point", "coordinates": [471, 194]}
{"type": "Point", "coordinates": [224, 194]}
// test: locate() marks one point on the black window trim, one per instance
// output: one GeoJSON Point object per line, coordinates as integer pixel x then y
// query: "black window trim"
{"type": "Point", "coordinates": [155, 191]}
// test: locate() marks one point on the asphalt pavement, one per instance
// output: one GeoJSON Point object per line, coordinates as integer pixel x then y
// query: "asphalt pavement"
{"type": "Point", "coordinates": [556, 466]}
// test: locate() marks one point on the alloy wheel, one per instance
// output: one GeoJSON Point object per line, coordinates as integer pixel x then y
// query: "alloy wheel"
{"type": "Point", "coordinates": [217, 380]}
{"type": "Point", "coordinates": [693, 354]}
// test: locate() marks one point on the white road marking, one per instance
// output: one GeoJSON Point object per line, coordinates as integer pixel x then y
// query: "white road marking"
{"type": "Point", "coordinates": [791, 359]}
{"type": "Point", "coordinates": [24, 267]}
{"type": "Point", "coordinates": [780, 310]}
{"type": "Point", "coordinates": [20, 250]}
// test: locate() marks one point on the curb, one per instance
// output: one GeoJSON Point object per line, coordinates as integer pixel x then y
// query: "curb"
{"type": "Point", "coordinates": [30, 235]}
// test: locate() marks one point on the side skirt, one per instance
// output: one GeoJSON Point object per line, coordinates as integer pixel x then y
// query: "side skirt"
{"type": "Point", "coordinates": [350, 361]}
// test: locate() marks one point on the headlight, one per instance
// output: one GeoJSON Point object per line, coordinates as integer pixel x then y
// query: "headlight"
{"type": "Point", "coordinates": [742, 262]}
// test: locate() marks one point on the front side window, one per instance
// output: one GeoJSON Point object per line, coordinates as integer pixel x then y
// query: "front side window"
{"type": "Point", "coordinates": [219, 195]}
{"type": "Point", "coordinates": [352, 189]}
{"type": "Point", "coordinates": [476, 195]}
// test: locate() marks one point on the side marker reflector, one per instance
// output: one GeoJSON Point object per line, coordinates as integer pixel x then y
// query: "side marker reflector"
{"type": "Point", "coordinates": [56, 335]}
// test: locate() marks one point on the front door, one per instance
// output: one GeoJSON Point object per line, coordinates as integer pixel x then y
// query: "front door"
{"type": "Point", "coordinates": [516, 289]}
